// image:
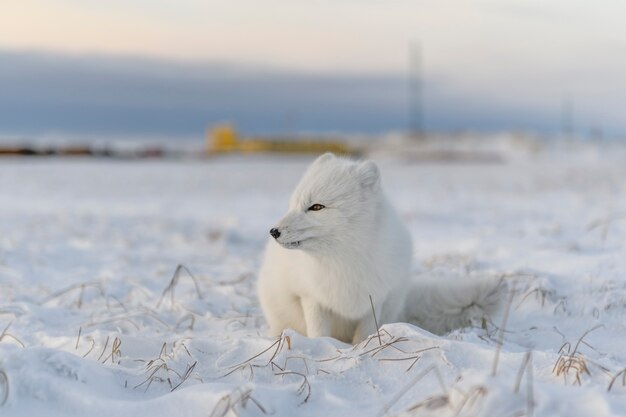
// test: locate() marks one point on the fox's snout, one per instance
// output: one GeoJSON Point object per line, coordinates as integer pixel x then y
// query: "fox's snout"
{"type": "Point", "coordinates": [292, 230]}
{"type": "Point", "coordinates": [286, 226]}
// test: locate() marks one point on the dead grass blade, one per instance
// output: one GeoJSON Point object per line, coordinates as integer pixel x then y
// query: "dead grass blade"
{"type": "Point", "coordinates": [228, 403]}
{"type": "Point", "coordinates": [81, 286]}
{"type": "Point", "coordinates": [500, 341]}
{"type": "Point", "coordinates": [174, 281]}
{"type": "Point", "coordinates": [153, 366]}
{"type": "Point", "coordinates": [4, 387]}
{"type": "Point", "coordinates": [568, 363]}
{"type": "Point", "coordinates": [530, 391]}
{"type": "Point", "coordinates": [288, 358]}
{"type": "Point", "coordinates": [151, 377]}
{"type": "Point", "coordinates": [6, 335]}
{"type": "Point", "coordinates": [189, 320]}
{"type": "Point", "coordinates": [540, 293]}
{"type": "Point", "coordinates": [580, 339]}
{"type": "Point", "coordinates": [306, 385]}
{"type": "Point", "coordinates": [605, 224]}
{"type": "Point", "coordinates": [106, 343]}
{"type": "Point", "coordinates": [124, 318]}
{"type": "Point", "coordinates": [471, 397]}
{"type": "Point", "coordinates": [430, 403]}
{"type": "Point", "coordinates": [375, 321]}
{"type": "Point", "coordinates": [115, 350]}
{"type": "Point", "coordinates": [93, 345]}
{"type": "Point", "coordinates": [390, 344]}
{"type": "Point", "coordinates": [572, 361]}
{"type": "Point", "coordinates": [414, 356]}
{"type": "Point", "coordinates": [80, 330]}
{"type": "Point", "coordinates": [186, 375]}
{"type": "Point", "coordinates": [279, 343]}
{"type": "Point", "coordinates": [520, 373]}
{"type": "Point", "coordinates": [410, 385]}
{"type": "Point", "coordinates": [623, 374]}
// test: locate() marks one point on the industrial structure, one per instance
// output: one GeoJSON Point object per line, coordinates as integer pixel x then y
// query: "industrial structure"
{"type": "Point", "coordinates": [224, 138]}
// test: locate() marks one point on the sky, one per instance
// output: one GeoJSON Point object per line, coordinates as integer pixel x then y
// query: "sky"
{"type": "Point", "coordinates": [164, 67]}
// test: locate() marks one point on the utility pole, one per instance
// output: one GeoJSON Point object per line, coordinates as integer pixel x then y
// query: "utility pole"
{"type": "Point", "coordinates": [415, 105]}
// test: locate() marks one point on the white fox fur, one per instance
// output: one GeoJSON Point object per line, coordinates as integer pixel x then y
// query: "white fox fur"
{"type": "Point", "coordinates": [440, 303]}
{"type": "Point", "coordinates": [324, 264]}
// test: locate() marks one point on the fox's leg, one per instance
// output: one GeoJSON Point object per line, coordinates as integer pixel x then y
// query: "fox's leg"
{"type": "Point", "coordinates": [365, 327]}
{"type": "Point", "coordinates": [318, 320]}
{"type": "Point", "coordinates": [282, 313]}
{"type": "Point", "coordinates": [282, 310]}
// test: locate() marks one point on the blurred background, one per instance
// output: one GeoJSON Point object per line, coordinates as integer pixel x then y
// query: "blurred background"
{"type": "Point", "coordinates": [94, 72]}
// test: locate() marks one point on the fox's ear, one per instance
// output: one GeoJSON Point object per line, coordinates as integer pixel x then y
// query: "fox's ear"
{"type": "Point", "coordinates": [324, 158]}
{"type": "Point", "coordinates": [369, 175]}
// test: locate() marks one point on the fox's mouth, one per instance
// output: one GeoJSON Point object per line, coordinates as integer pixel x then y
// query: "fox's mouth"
{"type": "Point", "coordinates": [292, 245]}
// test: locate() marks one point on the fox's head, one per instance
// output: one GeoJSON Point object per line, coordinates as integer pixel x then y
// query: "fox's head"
{"type": "Point", "coordinates": [335, 202]}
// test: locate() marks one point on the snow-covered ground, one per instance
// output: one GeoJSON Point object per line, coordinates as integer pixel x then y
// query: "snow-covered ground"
{"type": "Point", "coordinates": [97, 322]}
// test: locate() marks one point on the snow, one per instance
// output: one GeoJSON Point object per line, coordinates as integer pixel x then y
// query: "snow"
{"type": "Point", "coordinates": [98, 323]}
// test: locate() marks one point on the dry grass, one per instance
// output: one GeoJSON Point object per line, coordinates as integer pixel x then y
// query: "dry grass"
{"type": "Point", "coordinates": [91, 339]}
{"type": "Point", "coordinates": [269, 358]}
{"type": "Point", "coordinates": [299, 371]}
{"type": "Point", "coordinates": [541, 294]}
{"type": "Point", "coordinates": [114, 312]}
{"type": "Point", "coordinates": [81, 287]}
{"type": "Point", "coordinates": [375, 320]}
{"type": "Point", "coordinates": [230, 402]}
{"type": "Point", "coordinates": [500, 341]}
{"type": "Point", "coordinates": [470, 399]}
{"type": "Point", "coordinates": [6, 335]}
{"type": "Point", "coordinates": [4, 387]}
{"type": "Point", "coordinates": [605, 223]}
{"type": "Point", "coordinates": [527, 368]}
{"type": "Point", "coordinates": [571, 362]}
{"type": "Point", "coordinates": [279, 343]}
{"type": "Point", "coordinates": [186, 375]}
{"type": "Point", "coordinates": [621, 373]}
{"type": "Point", "coordinates": [457, 401]}
{"type": "Point", "coordinates": [526, 365]}
{"type": "Point", "coordinates": [106, 343]}
{"type": "Point", "coordinates": [433, 368]}
{"type": "Point", "coordinates": [174, 282]}
{"type": "Point", "coordinates": [306, 385]}
{"type": "Point", "coordinates": [159, 369]}
{"type": "Point", "coordinates": [115, 351]}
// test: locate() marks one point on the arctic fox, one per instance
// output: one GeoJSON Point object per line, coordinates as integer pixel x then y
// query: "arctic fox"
{"type": "Point", "coordinates": [340, 243]}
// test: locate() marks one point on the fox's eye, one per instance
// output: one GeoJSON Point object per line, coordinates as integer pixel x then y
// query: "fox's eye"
{"type": "Point", "coordinates": [316, 207]}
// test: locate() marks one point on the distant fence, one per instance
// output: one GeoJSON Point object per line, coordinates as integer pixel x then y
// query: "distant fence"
{"type": "Point", "coordinates": [147, 152]}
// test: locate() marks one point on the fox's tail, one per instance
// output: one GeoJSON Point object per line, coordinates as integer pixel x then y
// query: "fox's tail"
{"type": "Point", "coordinates": [443, 303]}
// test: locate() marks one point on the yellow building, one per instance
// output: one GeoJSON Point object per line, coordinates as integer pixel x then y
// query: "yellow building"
{"type": "Point", "coordinates": [223, 138]}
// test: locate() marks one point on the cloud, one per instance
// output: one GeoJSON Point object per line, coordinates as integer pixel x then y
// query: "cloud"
{"type": "Point", "coordinates": [101, 95]}
{"type": "Point", "coordinates": [120, 95]}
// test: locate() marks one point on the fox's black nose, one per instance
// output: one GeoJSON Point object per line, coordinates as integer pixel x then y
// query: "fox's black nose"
{"type": "Point", "coordinates": [275, 233]}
